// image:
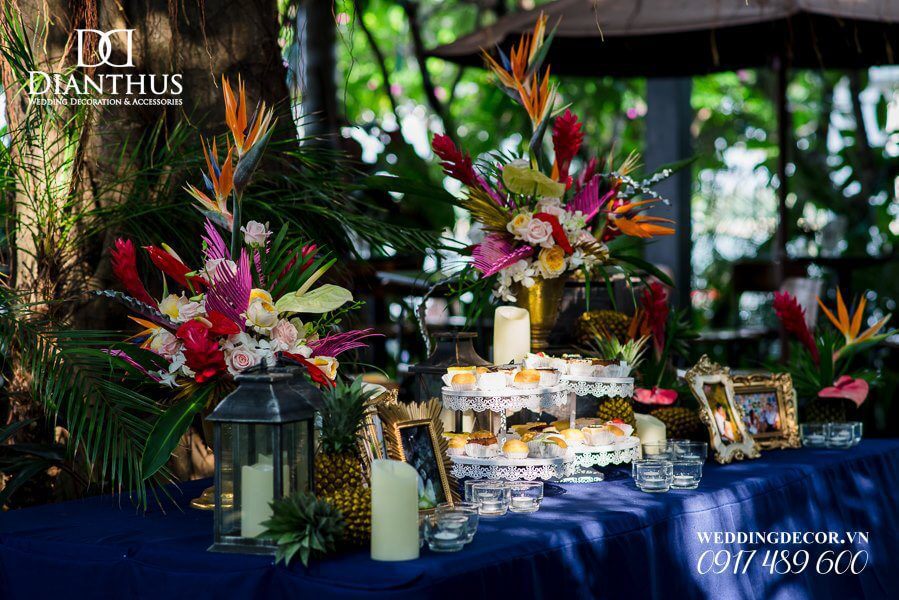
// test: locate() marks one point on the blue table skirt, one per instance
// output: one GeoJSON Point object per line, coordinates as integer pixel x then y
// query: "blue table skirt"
{"type": "Point", "coordinates": [601, 540]}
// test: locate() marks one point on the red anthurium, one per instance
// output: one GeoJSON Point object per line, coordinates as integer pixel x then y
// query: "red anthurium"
{"type": "Point", "coordinates": [848, 388]}
{"type": "Point", "coordinates": [655, 396]}
{"type": "Point", "coordinates": [219, 324]}
{"type": "Point", "coordinates": [317, 375]}
{"type": "Point", "coordinates": [202, 354]}
{"type": "Point", "coordinates": [558, 231]}
{"type": "Point", "coordinates": [124, 265]}
{"type": "Point", "coordinates": [174, 268]}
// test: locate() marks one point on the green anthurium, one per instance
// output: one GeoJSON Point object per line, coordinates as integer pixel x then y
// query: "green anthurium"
{"type": "Point", "coordinates": [322, 299]}
{"type": "Point", "coordinates": [520, 178]}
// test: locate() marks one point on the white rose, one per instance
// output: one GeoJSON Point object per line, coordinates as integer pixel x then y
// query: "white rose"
{"type": "Point", "coordinates": [539, 233]}
{"type": "Point", "coordinates": [261, 315]}
{"type": "Point", "coordinates": [255, 234]}
{"type": "Point", "coordinates": [171, 305]}
{"type": "Point", "coordinates": [165, 343]}
{"type": "Point", "coordinates": [191, 310]}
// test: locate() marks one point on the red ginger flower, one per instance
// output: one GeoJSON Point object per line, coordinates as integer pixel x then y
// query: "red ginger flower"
{"type": "Point", "coordinates": [792, 317]}
{"type": "Point", "coordinates": [455, 163]}
{"type": "Point", "coordinates": [655, 308]}
{"type": "Point", "coordinates": [124, 265]}
{"type": "Point", "coordinates": [317, 375]}
{"type": "Point", "coordinates": [174, 268]}
{"type": "Point", "coordinates": [202, 354]}
{"type": "Point", "coordinates": [558, 231]}
{"type": "Point", "coordinates": [567, 140]}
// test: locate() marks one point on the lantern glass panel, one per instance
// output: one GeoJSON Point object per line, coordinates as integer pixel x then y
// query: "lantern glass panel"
{"type": "Point", "coordinates": [229, 516]}
{"type": "Point", "coordinates": [296, 445]}
{"type": "Point", "coordinates": [253, 476]}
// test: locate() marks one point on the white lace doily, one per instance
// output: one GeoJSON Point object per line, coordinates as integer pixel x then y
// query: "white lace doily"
{"type": "Point", "coordinates": [506, 399]}
{"type": "Point", "coordinates": [585, 457]}
{"type": "Point", "coordinates": [600, 387]}
{"type": "Point", "coordinates": [528, 469]}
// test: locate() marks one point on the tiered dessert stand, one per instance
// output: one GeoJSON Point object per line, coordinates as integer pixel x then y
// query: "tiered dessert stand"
{"type": "Point", "coordinates": [587, 457]}
{"type": "Point", "coordinates": [499, 401]}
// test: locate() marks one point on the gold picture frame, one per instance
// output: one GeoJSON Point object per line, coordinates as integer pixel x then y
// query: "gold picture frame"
{"type": "Point", "coordinates": [780, 430]}
{"type": "Point", "coordinates": [713, 388]}
{"type": "Point", "coordinates": [371, 439]}
{"type": "Point", "coordinates": [414, 434]}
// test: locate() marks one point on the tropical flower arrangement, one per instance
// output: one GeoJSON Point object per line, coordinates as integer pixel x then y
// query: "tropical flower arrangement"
{"type": "Point", "coordinates": [541, 220]}
{"type": "Point", "coordinates": [248, 304]}
{"type": "Point", "coordinates": [821, 362]}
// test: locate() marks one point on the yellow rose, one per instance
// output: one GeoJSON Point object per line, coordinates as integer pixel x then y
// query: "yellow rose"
{"type": "Point", "coordinates": [327, 364]}
{"type": "Point", "coordinates": [519, 224]}
{"type": "Point", "coordinates": [171, 305]}
{"type": "Point", "coordinates": [260, 294]}
{"type": "Point", "coordinates": [551, 262]}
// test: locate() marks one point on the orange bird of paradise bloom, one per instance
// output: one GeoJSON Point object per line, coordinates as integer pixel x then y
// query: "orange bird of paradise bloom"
{"type": "Point", "coordinates": [637, 225]}
{"type": "Point", "coordinates": [850, 326]}
{"type": "Point", "coordinates": [219, 181]}
{"type": "Point", "coordinates": [246, 133]}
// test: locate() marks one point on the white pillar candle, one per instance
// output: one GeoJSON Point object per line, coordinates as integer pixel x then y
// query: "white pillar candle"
{"type": "Point", "coordinates": [511, 334]}
{"type": "Point", "coordinates": [649, 429]}
{"type": "Point", "coordinates": [256, 485]}
{"type": "Point", "coordinates": [394, 511]}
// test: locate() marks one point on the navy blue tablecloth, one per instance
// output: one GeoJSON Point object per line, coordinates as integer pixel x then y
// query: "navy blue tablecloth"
{"type": "Point", "coordinates": [600, 540]}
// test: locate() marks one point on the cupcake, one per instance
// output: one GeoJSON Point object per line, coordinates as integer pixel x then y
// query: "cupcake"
{"type": "Point", "coordinates": [482, 437]}
{"type": "Point", "coordinates": [580, 367]}
{"type": "Point", "coordinates": [526, 379]}
{"type": "Point", "coordinates": [515, 449]}
{"type": "Point", "coordinates": [619, 428]}
{"type": "Point", "coordinates": [462, 382]}
{"type": "Point", "coordinates": [546, 445]}
{"type": "Point", "coordinates": [597, 436]}
{"type": "Point", "coordinates": [574, 437]}
{"type": "Point", "coordinates": [549, 377]}
{"type": "Point", "coordinates": [457, 446]}
{"type": "Point", "coordinates": [536, 361]}
{"type": "Point", "coordinates": [491, 381]}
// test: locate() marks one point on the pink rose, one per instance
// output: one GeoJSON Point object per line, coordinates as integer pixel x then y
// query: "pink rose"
{"type": "Point", "coordinates": [212, 267]}
{"type": "Point", "coordinates": [240, 359]}
{"type": "Point", "coordinates": [284, 335]}
{"type": "Point", "coordinates": [255, 234]}
{"type": "Point", "coordinates": [539, 233]}
{"type": "Point", "coordinates": [165, 344]}
{"type": "Point", "coordinates": [191, 310]}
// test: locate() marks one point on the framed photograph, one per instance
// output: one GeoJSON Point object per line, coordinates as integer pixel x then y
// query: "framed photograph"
{"type": "Point", "coordinates": [768, 402]}
{"type": "Point", "coordinates": [713, 388]}
{"type": "Point", "coordinates": [414, 434]}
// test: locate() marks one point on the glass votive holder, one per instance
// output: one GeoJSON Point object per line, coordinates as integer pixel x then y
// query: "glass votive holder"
{"type": "Point", "coordinates": [660, 450]}
{"type": "Point", "coordinates": [840, 435]}
{"type": "Point", "coordinates": [446, 532]}
{"type": "Point", "coordinates": [686, 473]}
{"type": "Point", "coordinates": [689, 450]}
{"type": "Point", "coordinates": [468, 509]}
{"type": "Point", "coordinates": [813, 435]}
{"type": "Point", "coordinates": [858, 430]}
{"type": "Point", "coordinates": [525, 496]}
{"type": "Point", "coordinates": [653, 475]}
{"type": "Point", "coordinates": [469, 496]}
{"type": "Point", "coordinates": [492, 498]}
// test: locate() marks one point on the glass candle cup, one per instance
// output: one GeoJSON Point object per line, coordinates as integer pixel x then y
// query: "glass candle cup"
{"type": "Point", "coordinates": [469, 495]}
{"type": "Point", "coordinates": [686, 473]}
{"type": "Point", "coordinates": [468, 509]}
{"type": "Point", "coordinates": [857, 429]}
{"type": "Point", "coordinates": [446, 532]}
{"type": "Point", "coordinates": [492, 498]}
{"type": "Point", "coordinates": [525, 496]}
{"type": "Point", "coordinates": [814, 435]}
{"type": "Point", "coordinates": [840, 435]}
{"type": "Point", "coordinates": [660, 450]}
{"type": "Point", "coordinates": [653, 475]}
{"type": "Point", "coordinates": [689, 450]}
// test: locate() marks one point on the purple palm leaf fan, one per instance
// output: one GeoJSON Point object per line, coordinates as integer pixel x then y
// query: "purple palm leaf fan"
{"type": "Point", "coordinates": [587, 199]}
{"type": "Point", "coordinates": [215, 244]}
{"type": "Point", "coordinates": [339, 343]}
{"type": "Point", "coordinates": [257, 262]}
{"type": "Point", "coordinates": [229, 292]}
{"type": "Point", "coordinates": [496, 253]}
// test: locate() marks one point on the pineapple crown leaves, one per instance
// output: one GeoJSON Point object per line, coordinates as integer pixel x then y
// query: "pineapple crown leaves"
{"type": "Point", "coordinates": [342, 414]}
{"type": "Point", "coordinates": [304, 527]}
{"type": "Point", "coordinates": [610, 347]}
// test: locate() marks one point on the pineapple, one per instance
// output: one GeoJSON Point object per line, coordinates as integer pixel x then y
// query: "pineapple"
{"type": "Point", "coordinates": [617, 408]}
{"type": "Point", "coordinates": [608, 323]}
{"type": "Point", "coordinates": [828, 410]}
{"type": "Point", "coordinates": [304, 527]}
{"type": "Point", "coordinates": [355, 506]}
{"type": "Point", "coordinates": [337, 462]}
{"type": "Point", "coordinates": [680, 423]}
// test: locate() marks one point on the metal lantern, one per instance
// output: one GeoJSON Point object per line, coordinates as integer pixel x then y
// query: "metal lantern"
{"type": "Point", "coordinates": [453, 349]}
{"type": "Point", "coordinates": [263, 433]}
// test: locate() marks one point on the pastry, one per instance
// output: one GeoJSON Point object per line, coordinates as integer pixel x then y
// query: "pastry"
{"type": "Point", "coordinates": [573, 436]}
{"type": "Point", "coordinates": [526, 378]}
{"type": "Point", "coordinates": [581, 367]}
{"type": "Point", "coordinates": [491, 381]}
{"type": "Point", "coordinates": [482, 438]}
{"type": "Point", "coordinates": [515, 449]}
{"type": "Point", "coordinates": [457, 446]}
{"type": "Point", "coordinates": [463, 381]}
{"type": "Point", "coordinates": [549, 377]}
{"type": "Point", "coordinates": [597, 436]}
{"type": "Point", "coordinates": [547, 446]}
{"type": "Point", "coordinates": [561, 425]}
{"type": "Point", "coordinates": [619, 428]}
{"type": "Point", "coordinates": [528, 436]}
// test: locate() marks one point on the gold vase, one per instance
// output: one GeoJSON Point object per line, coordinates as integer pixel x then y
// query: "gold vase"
{"type": "Point", "coordinates": [542, 301]}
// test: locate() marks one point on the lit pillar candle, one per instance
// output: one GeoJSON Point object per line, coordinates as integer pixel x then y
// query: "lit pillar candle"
{"type": "Point", "coordinates": [256, 485]}
{"type": "Point", "coordinates": [511, 334]}
{"type": "Point", "coordinates": [649, 429]}
{"type": "Point", "coordinates": [394, 511]}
